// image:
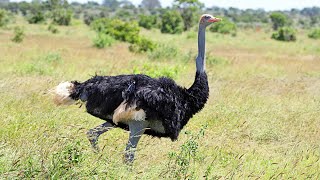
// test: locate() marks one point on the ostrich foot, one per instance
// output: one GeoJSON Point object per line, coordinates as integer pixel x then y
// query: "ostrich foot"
{"type": "Point", "coordinates": [129, 157]}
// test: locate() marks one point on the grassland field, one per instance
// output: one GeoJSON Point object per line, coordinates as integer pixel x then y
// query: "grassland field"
{"type": "Point", "coordinates": [262, 120]}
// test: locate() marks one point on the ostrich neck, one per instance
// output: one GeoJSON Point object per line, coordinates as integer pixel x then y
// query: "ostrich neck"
{"type": "Point", "coordinates": [198, 93]}
{"type": "Point", "coordinates": [200, 61]}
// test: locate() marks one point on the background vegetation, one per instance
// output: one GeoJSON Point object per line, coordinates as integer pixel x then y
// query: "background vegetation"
{"type": "Point", "coordinates": [261, 120]}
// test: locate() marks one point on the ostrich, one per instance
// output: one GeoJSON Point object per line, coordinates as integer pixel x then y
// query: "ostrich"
{"type": "Point", "coordinates": [139, 103]}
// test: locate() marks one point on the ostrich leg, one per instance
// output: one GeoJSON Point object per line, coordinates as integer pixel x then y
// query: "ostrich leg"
{"type": "Point", "coordinates": [136, 128]}
{"type": "Point", "coordinates": [93, 134]}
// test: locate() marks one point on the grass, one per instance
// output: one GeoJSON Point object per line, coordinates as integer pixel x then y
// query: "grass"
{"type": "Point", "coordinates": [262, 117]}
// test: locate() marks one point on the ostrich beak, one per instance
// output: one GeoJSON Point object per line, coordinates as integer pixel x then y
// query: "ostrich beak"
{"type": "Point", "coordinates": [214, 19]}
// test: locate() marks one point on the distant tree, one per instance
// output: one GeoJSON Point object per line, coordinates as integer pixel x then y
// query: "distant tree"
{"type": "Point", "coordinates": [126, 4]}
{"type": "Point", "coordinates": [150, 4]}
{"type": "Point", "coordinates": [172, 22]}
{"type": "Point", "coordinates": [278, 20]}
{"type": "Point", "coordinates": [56, 4]}
{"type": "Point", "coordinates": [313, 13]}
{"type": "Point", "coordinates": [189, 11]}
{"type": "Point", "coordinates": [225, 27]}
{"type": "Point", "coordinates": [4, 17]}
{"type": "Point", "coordinates": [62, 16]}
{"type": "Point", "coordinates": [36, 14]}
{"type": "Point", "coordinates": [23, 7]}
{"type": "Point", "coordinates": [147, 21]}
{"type": "Point", "coordinates": [112, 4]}
{"type": "Point", "coordinates": [4, 1]}
{"type": "Point", "coordinates": [314, 34]}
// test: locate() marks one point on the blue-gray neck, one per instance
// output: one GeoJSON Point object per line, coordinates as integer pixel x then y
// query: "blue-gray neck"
{"type": "Point", "coordinates": [200, 61]}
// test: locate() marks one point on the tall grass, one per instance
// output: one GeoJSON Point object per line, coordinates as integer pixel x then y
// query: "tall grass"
{"type": "Point", "coordinates": [262, 115]}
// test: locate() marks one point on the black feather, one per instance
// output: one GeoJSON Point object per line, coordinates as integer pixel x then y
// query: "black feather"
{"type": "Point", "coordinates": [161, 99]}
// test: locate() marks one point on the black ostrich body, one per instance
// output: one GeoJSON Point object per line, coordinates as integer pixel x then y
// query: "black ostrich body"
{"type": "Point", "coordinates": [161, 99]}
{"type": "Point", "coordinates": [139, 103]}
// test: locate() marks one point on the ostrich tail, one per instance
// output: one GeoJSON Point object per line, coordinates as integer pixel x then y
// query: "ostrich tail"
{"type": "Point", "coordinates": [62, 93]}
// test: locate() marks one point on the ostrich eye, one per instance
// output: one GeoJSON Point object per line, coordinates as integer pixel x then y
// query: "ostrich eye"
{"type": "Point", "coordinates": [207, 17]}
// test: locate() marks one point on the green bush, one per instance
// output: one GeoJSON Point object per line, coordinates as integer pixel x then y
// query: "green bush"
{"type": "Point", "coordinates": [172, 22]}
{"type": "Point", "coordinates": [36, 17]}
{"type": "Point", "coordinates": [52, 28]}
{"type": "Point", "coordinates": [102, 40]}
{"type": "Point", "coordinates": [123, 31]}
{"type": "Point", "coordinates": [18, 34]}
{"type": "Point", "coordinates": [224, 27]}
{"type": "Point", "coordinates": [147, 22]}
{"type": "Point", "coordinates": [61, 16]}
{"type": "Point", "coordinates": [285, 34]}
{"type": "Point", "coordinates": [314, 34]}
{"type": "Point", "coordinates": [4, 17]}
{"type": "Point", "coordinates": [120, 30]}
{"type": "Point", "coordinates": [142, 45]}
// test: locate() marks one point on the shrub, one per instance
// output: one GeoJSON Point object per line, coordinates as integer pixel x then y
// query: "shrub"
{"type": "Point", "coordinates": [18, 34]}
{"type": "Point", "coordinates": [52, 28]}
{"type": "Point", "coordinates": [285, 34]}
{"type": "Point", "coordinates": [61, 16]}
{"type": "Point", "coordinates": [36, 17]}
{"type": "Point", "coordinates": [102, 40]}
{"type": "Point", "coordinates": [147, 22]}
{"type": "Point", "coordinates": [172, 22]}
{"type": "Point", "coordinates": [4, 17]}
{"type": "Point", "coordinates": [120, 30]}
{"type": "Point", "coordinates": [314, 34]}
{"type": "Point", "coordinates": [224, 27]}
{"type": "Point", "coordinates": [123, 31]}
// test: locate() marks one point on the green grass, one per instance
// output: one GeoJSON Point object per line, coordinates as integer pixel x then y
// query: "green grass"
{"type": "Point", "coordinates": [261, 120]}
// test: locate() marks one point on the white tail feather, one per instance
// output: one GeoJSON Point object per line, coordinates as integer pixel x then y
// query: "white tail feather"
{"type": "Point", "coordinates": [62, 94]}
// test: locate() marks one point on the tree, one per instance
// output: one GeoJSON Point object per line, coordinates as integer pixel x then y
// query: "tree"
{"type": "Point", "coordinates": [36, 13]}
{"type": "Point", "coordinates": [278, 19]}
{"type": "Point", "coordinates": [172, 22]}
{"type": "Point", "coordinates": [4, 1]}
{"type": "Point", "coordinates": [147, 21]}
{"type": "Point", "coordinates": [112, 4]}
{"type": "Point", "coordinates": [189, 10]}
{"type": "Point", "coordinates": [4, 17]}
{"type": "Point", "coordinates": [224, 27]}
{"type": "Point", "coordinates": [150, 4]}
{"type": "Point", "coordinates": [126, 4]}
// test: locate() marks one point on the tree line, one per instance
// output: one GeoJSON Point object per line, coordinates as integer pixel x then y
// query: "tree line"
{"type": "Point", "coordinates": [181, 16]}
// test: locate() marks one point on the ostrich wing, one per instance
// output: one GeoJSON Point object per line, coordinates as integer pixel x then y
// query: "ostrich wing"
{"type": "Point", "coordinates": [165, 100]}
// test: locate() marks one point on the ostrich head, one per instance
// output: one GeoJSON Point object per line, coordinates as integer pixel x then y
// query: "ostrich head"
{"type": "Point", "coordinates": [208, 19]}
